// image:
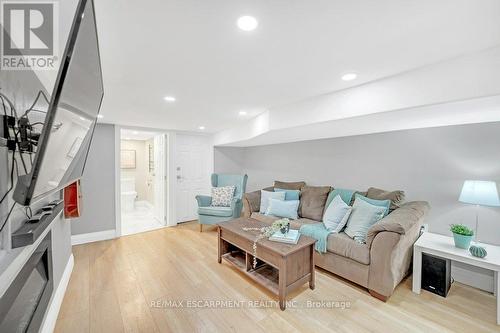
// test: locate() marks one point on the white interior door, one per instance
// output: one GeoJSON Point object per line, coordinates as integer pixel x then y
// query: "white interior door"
{"type": "Point", "coordinates": [160, 178]}
{"type": "Point", "coordinates": [193, 156]}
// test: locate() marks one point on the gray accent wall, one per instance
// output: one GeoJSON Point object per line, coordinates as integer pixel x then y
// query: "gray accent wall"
{"type": "Point", "coordinates": [428, 164]}
{"type": "Point", "coordinates": [98, 185]}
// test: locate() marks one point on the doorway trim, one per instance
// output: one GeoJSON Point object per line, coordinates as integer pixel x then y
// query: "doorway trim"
{"type": "Point", "coordinates": [169, 173]}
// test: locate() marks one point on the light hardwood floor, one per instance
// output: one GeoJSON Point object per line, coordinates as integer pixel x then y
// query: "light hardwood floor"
{"type": "Point", "coordinates": [115, 282]}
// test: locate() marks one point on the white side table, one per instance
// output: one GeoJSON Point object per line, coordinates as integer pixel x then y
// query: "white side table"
{"type": "Point", "coordinates": [444, 247]}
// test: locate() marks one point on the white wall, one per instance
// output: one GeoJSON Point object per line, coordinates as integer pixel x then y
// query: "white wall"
{"type": "Point", "coordinates": [98, 185]}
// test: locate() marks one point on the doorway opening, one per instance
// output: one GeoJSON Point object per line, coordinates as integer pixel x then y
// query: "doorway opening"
{"type": "Point", "coordinates": [142, 181]}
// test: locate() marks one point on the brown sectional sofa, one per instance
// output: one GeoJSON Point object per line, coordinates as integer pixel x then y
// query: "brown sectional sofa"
{"type": "Point", "coordinates": [381, 263]}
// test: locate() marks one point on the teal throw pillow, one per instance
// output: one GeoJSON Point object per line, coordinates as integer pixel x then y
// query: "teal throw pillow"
{"type": "Point", "coordinates": [289, 194]}
{"type": "Point", "coordinates": [363, 216]}
{"type": "Point", "coordinates": [380, 203]}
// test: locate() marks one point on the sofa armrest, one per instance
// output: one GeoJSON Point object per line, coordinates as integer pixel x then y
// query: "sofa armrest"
{"type": "Point", "coordinates": [400, 220]}
{"type": "Point", "coordinates": [251, 203]}
{"type": "Point", "coordinates": [236, 207]}
{"type": "Point", "coordinates": [204, 200]}
{"type": "Point", "coordinates": [391, 246]}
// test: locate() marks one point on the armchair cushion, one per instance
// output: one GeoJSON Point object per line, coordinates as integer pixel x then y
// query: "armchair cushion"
{"type": "Point", "coordinates": [215, 211]}
{"type": "Point", "coordinates": [222, 196]}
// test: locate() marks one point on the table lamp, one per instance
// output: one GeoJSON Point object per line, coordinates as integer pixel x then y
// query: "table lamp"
{"type": "Point", "coordinates": [479, 193]}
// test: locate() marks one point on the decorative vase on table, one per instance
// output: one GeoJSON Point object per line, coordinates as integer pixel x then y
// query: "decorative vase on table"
{"type": "Point", "coordinates": [285, 229]}
{"type": "Point", "coordinates": [462, 235]}
{"type": "Point", "coordinates": [462, 241]}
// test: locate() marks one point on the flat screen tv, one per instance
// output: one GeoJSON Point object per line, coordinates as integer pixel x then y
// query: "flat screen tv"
{"type": "Point", "coordinates": [70, 118]}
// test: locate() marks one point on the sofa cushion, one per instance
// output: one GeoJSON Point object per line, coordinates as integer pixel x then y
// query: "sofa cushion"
{"type": "Point", "coordinates": [215, 211]}
{"type": "Point", "coordinates": [345, 194]}
{"type": "Point", "coordinates": [336, 214]}
{"type": "Point", "coordinates": [268, 219]}
{"type": "Point", "coordinates": [266, 195]}
{"type": "Point", "coordinates": [345, 246]}
{"type": "Point", "coordinates": [312, 201]}
{"type": "Point", "coordinates": [283, 208]}
{"type": "Point", "coordinates": [363, 216]}
{"type": "Point", "coordinates": [397, 197]}
{"type": "Point", "coordinates": [294, 224]}
{"type": "Point", "coordinates": [380, 203]}
{"type": "Point", "coordinates": [289, 185]}
{"type": "Point", "coordinates": [289, 194]}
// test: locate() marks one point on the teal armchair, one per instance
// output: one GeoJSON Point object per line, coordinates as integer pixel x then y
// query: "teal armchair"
{"type": "Point", "coordinates": [213, 215]}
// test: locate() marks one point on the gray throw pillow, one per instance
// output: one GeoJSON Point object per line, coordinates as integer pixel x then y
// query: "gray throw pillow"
{"type": "Point", "coordinates": [363, 216]}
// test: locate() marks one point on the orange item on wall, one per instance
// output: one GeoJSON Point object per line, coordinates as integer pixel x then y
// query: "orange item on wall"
{"type": "Point", "coordinates": [72, 198]}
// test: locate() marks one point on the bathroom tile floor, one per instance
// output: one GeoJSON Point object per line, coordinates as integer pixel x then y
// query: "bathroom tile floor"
{"type": "Point", "coordinates": [141, 219]}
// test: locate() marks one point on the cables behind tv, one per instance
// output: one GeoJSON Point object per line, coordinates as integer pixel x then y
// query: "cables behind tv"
{"type": "Point", "coordinates": [32, 107]}
{"type": "Point", "coordinates": [19, 132]}
{"type": "Point", "coordinates": [4, 223]}
{"type": "Point", "coordinates": [11, 187]}
{"type": "Point", "coordinates": [20, 138]}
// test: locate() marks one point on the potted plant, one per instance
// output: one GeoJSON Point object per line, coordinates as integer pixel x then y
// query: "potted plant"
{"type": "Point", "coordinates": [462, 235]}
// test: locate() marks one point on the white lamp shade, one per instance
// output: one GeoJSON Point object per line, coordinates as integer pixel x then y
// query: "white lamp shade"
{"type": "Point", "coordinates": [479, 192]}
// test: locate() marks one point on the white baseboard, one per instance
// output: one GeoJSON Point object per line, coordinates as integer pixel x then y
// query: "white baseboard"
{"type": "Point", "coordinates": [49, 323]}
{"type": "Point", "coordinates": [473, 276]}
{"type": "Point", "coordinates": [93, 237]}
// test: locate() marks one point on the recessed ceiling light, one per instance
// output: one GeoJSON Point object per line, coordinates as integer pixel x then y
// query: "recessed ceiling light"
{"type": "Point", "coordinates": [201, 128]}
{"type": "Point", "coordinates": [100, 116]}
{"type": "Point", "coordinates": [242, 113]}
{"type": "Point", "coordinates": [169, 98]}
{"type": "Point", "coordinates": [135, 132]}
{"type": "Point", "coordinates": [247, 23]}
{"type": "Point", "coordinates": [349, 76]}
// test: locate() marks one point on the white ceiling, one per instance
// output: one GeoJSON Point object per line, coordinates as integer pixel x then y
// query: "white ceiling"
{"type": "Point", "coordinates": [132, 134]}
{"type": "Point", "coordinates": [193, 50]}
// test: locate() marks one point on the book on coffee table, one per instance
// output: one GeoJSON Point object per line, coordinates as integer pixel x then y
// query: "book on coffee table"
{"type": "Point", "coordinates": [292, 237]}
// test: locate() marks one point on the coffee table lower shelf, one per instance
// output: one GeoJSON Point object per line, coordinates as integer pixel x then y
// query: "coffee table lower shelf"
{"type": "Point", "coordinates": [264, 274]}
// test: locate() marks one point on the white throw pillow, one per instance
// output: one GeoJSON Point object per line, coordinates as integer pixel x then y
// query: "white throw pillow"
{"type": "Point", "coordinates": [222, 196]}
{"type": "Point", "coordinates": [283, 208]}
{"type": "Point", "coordinates": [266, 195]}
{"type": "Point", "coordinates": [336, 215]}
{"type": "Point", "coordinates": [363, 216]}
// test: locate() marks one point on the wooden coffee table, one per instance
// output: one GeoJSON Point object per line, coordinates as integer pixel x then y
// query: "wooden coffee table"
{"type": "Point", "coordinates": [281, 267]}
